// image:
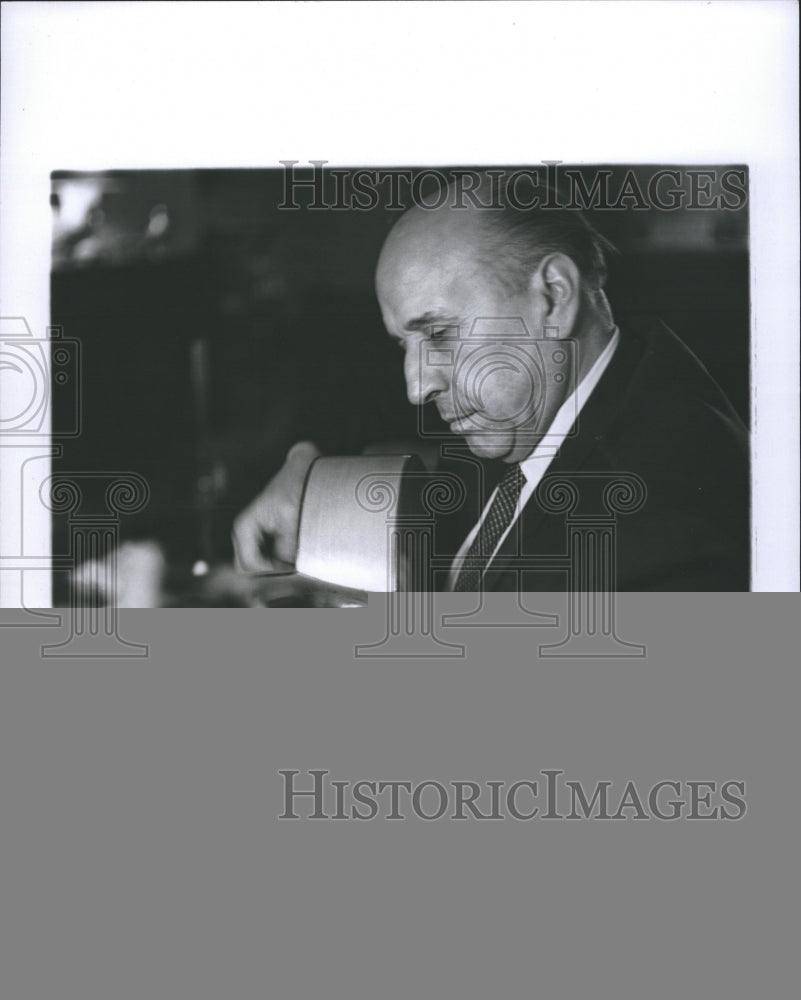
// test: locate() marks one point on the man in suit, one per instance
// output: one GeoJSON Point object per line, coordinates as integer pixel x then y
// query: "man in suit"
{"type": "Point", "coordinates": [505, 329]}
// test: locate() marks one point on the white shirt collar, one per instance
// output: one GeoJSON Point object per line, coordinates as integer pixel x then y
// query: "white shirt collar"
{"type": "Point", "coordinates": [568, 412]}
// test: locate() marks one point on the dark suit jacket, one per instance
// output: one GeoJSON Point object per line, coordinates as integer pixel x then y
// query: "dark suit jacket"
{"type": "Point", "coordinates": [656, 413]}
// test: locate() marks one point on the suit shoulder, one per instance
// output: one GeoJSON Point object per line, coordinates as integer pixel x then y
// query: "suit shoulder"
{"type": "Point", "coordinates": [671, 403]}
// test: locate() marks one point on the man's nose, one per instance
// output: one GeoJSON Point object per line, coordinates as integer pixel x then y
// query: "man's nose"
{"type": "Point", "coordinates": [425, 378]}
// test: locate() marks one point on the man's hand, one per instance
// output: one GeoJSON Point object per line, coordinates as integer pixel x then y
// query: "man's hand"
{"type": "Point", "coordinates": [274, 515]}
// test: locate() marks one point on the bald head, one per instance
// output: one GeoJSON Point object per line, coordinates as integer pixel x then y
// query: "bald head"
{"type": "Point", "coordinates": [507, 239]}
{"type": "Point", "coordinates": [444, 242]}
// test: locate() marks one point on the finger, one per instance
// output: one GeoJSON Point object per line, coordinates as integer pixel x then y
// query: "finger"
{"type": "Point", "coordinates": [248, 557]}
{"type": "Point", "coordinates": [303, 453]}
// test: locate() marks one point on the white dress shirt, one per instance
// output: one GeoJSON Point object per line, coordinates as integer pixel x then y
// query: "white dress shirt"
{"type": "Point", "coordinates": [536, 465]}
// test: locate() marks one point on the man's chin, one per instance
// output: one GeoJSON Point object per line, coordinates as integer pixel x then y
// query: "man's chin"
{"type": "Point", "coordinates": [489, 446]}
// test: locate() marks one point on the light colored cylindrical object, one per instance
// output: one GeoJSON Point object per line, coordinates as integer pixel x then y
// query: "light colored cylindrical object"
{"type": "Point", "coordinates": [350, 510]}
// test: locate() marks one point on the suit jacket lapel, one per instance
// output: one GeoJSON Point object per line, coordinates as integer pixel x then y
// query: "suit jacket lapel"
{"type": "Point", "coordinates": [594, 423]}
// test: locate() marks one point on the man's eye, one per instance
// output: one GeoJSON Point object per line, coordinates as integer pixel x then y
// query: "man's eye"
{"type": "Point", "coordinates": [436, 333]}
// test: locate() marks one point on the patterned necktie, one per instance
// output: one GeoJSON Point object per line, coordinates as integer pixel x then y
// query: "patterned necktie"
{"type": "Point", "coordinates": [498, 519]}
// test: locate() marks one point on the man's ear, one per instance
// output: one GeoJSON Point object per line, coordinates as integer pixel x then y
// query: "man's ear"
{"type": "Point", "coordinates": [557, 282]}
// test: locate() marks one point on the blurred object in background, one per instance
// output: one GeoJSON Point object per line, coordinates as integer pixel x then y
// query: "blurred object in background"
{"type": "Point", "coordinates": [136, 575]}
{"type": "Point", "coordinates": [136, 581]}
{"type": "Point", "coordinates": [118, 217]}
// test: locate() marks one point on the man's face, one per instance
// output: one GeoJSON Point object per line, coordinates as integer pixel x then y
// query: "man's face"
{"type": "Point", "coordinates": [470, 347]}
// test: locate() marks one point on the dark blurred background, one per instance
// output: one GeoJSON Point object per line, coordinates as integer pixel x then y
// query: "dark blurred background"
{"type": "Point", "coordinates": [217, 330]}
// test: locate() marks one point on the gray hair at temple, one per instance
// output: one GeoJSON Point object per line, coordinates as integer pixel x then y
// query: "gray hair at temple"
{"type": "Point", "coordinates": [516, 239]}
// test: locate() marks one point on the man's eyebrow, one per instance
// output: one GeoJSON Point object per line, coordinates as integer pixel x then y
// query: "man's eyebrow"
{"type": "Point", "coordinates": [426, 320]}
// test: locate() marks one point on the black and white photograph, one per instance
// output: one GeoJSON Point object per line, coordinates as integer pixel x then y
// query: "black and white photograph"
{"type": "Point", "coordinates": [546, 365]}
